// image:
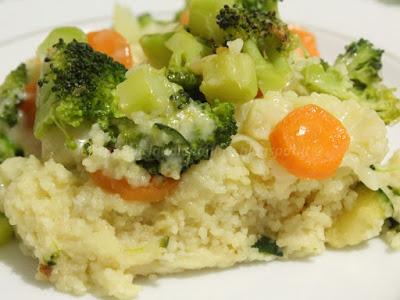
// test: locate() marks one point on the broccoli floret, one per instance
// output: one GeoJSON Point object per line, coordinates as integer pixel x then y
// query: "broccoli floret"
{"type": "Point", "coordinates": [267, 5]}
{"type": "Point", "coordinates": [185, 49]}
{"type": "Point", "coordinates": [323, 78]}
{"type": "Point", "coordinates": [12, 92]}
{"type": "Point", "coordinates": [77, 86]}
{"type": "Point", "coordinates": [223, 116]}
{"type": "Point", "coordinates": [185, 78]}
{"type": "Point", "coordinates": [164, 149]}
{"type": "Point", "coordinates": [363, 62]}
{"type": "Point", "coordinates": [381, 99]}
{"type": "Point", "coordinates": [180, 99]}
{"type": "Point", "coordinates": [8, 148]}
{"type": "Point", "coordinates": [267, 40]}
{"type": "Point", "coordinates": [264, 27]}
{"type": "Point", "coordinates": [267, 245]}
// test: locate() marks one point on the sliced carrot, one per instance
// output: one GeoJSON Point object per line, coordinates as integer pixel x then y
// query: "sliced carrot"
{"type": "Point", "coordinates": [156, 191]}
{"type": "Point", "coordinates": [307, 39]}
{"type": "Point", "coordinates": [260, 94]}
{"type": "Point", "coordinates": [184, 18]}
{"type": "Point", "coordinates": [28, 106]}
{"type": "Point", "coordinates": [310, 142]}
{"type": "Point", "coordinates": [113, 44]}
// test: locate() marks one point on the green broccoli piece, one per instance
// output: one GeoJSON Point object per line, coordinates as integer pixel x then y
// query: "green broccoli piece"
{"type": "Point", "coordinates": [323, 78]}
{"type": "Point", "coordinates": [381, 99]}
{"type": "Point", "coordinates": [12, 92]}
{"type": "Point", "coordinates": [264, 27]}
{"type": "Point", "coordinates": [268, 246]}
{"type": "Point", "coordinates": [180, 99]}
{"type": "Point", "coordinates": [147, 19]}
{"type": "Point", "coordinates": [164, 149]}
{"type": "Point", "coordinates": [8, 148]}
{"type": "Point", "coordinates": [363, 62]}
{"type": "Point", "coordinates": [185, 78]}
{"type": "Point", "coordinates": [6, 230]}
{"type": "Point", "coordinates": [267, 40]}
{"type": "Point", "coordinates": [185, 49]}
{"type": "Point", "coordinates": [77, 87]}
{"type": "Point", "coordinates": [266, 5]}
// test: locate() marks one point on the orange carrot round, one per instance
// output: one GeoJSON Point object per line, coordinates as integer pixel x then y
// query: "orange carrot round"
{"type": "Point", "coordinates": [307, 39]}
{"type": "Point", "coordinates": [28, 106]}
{"type": "Point", "coordinates": [310, 142]}
{"type": "Point", "coordinates": [156, 191]}
{"type": "Point", "coordinates": [113, 44]}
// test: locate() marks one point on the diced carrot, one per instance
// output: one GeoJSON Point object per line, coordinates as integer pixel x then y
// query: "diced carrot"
{"type": "Point", "coordinates": [184, 18]}
{"type": "Point", "coordinates": [310, 142]}
{"type": "Point", "coordinates": [113, 44]}
{"type": "Point", "coordinates": [307, 39]}
{"type": "Point", "coordinates": [28, 106]}
{"type": "Point", "coordinates": [156, 191]}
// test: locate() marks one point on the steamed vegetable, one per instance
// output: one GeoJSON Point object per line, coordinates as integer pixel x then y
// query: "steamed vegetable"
{"type": "Point", "coordinates": [145, 89]}
{"type": "Point", "coordinates": [202, 18]}
{"type": "Point", "coordinates": [364, 62]}
{"type": "Point", "coordinates": [77, 87]}
{"type": "Point", "coordinates": [310, 142]}
{"type": "Point", "coordinates": [364, 220]}
{"type": "Point", "coordinates": [67, 34]}
{"type": "Point", "coordinates": [267, 40]}
{"type": "Point", "coordinates": [6, 230]}
{"type": "Point", "coordinates": [156, 191]}
{"type": "Point", "coordinates": [187, 133]}
{"type": "Point", "coordinates": [355, 75]}
{"type": "Point", "coordinates": [186, 50]}
{"type": "Point", "coordinates": [113, 44]}
{"type": "Point", "coordinates": [322, 78]}
{"type": "Point", "coordinates": [8, 148]}
{"type": "Point", "coordinates": [12, 93]}
{"type": "Point", "coordinates": [230, 77]}
{"type": "Point", "coordinates": [268, 246]}
{"type": "Point", "coordinates": [155, 49]}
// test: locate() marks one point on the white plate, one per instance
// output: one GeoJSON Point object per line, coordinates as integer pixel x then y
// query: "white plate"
{"type": "Point", "coordinates": [369, 272]}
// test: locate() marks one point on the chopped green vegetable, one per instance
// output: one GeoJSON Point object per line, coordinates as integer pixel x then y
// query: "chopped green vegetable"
{"type": "Point", "coordinates": [267, 40]}
{"type": "Point", "coordinates": [51, 261]}
{"type": "Point", "coordinates": [202, 18]}
{"type": "Point", "coordinates": [270, 75]}
{"type": "Point", "coordinates": [268, 246]}
{"type": "Point", "coordinates": [364, 220]}
{"type": "Point", "coordinates": [323, 78]}
{"type": "Point", "coordinates": [77, 86]}
{"type": "Point", "coordinates": [155, 49]}
{"type": "Point", "coordinates": [145, 89]}
{"type": "Point", "coordinates": [363, 62]}
{"type": "Point", "coordinates": [8, 148]}
{"type": "Point", "coordinates": [6, 230]}
{"type": "Point", "coordinates": [171, 147]}
{"type": "Point", "coordinates": [186, 50]}
{"type": "Point", "coordinates": [229, 77]}
{"type": "Point", "coordinates": [164, 242]}
{"type": "Point", "coordinates": [266, 5]}
{"type": "Point", "coordinates": [67, 34]}
{"type": "Point", "coordinates": [12, 92]}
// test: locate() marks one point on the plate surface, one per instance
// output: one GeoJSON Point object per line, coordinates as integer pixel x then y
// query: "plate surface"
{"type": "Point", "coordinates": [369, 272]}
